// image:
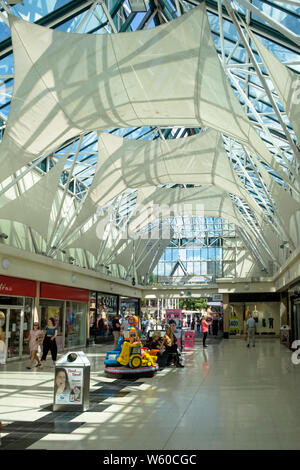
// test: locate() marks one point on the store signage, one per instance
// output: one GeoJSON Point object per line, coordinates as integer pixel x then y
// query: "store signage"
{"type": "Point", "coordinates": [217, 297]}
{"type": "Point", "coordinates": [55, 291]}
{"type": "Point", "coordinates": [16, 286]}
{"type": "Point", "coordinates": [109, 300]}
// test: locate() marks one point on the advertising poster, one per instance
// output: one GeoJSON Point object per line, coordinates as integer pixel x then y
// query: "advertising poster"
{"type": "Point", "coordinates": [68, 385]}
{"type": "Point", "coordinates": [233, 324]}
{"type": "Point", "coordinates": [175, 314]}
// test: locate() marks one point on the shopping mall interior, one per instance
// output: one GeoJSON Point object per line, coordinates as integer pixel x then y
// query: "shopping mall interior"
{"type": "Point", "coordinates": [149, 155]}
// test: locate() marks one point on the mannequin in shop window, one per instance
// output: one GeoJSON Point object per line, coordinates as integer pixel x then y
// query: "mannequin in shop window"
{"type": "Point", "coordinates": [247, 313]}
{"type": "Point", "coordinates": [271, 322]}
{"type": "Point", "coordinates": [255, 314]}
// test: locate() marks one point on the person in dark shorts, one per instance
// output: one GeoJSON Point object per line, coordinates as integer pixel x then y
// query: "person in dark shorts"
{"type": "Point", "coordinates": [49, 342]}
{"type": "Point", "coordinates": [116, 329]}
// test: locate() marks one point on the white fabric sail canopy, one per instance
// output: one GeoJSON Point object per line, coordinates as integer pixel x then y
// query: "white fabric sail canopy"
{"type": "Point", "coordinates": [33, 207]}
{"type": "Point", "coordinates": [126, 163]}
{"type": "Point", "coordinates": [129, 164]}
{"type": "Point", "coordinates": [201, 159]}
{"type": "Point", "coordinates": [141, 250]}
{"type": "Point", "coordinates": [204, 201]}
{"type": "Point", "coordinates": [67, 84]}
{"type": "Point", "coordinates": [100, 239]}
{"type": "Point", "coordinates": [207, 201]}
{"type": "Point", "coordinates": [286, 83]}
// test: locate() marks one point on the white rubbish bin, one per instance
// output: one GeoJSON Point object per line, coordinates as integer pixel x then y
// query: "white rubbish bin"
{"type": "Point", "coordinates": [72, 382]}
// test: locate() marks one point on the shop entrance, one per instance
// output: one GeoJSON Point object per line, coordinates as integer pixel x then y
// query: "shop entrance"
{"type": "Point", "coordinates": [12, 327]}
{"type": "Point", "coordinates": [296, 320]}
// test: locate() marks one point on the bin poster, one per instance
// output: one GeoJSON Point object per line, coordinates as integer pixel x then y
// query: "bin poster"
{"type": "Point", "coordinates": [68, 386]}
{"type": "Point", "coordinates": [176, 315]}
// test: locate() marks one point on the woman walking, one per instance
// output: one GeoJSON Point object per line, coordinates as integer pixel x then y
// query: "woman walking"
{"type": "Point", "coordinates": [35, 337]}
{"type": "Point", "coordinates": [49, 342]}
{"type": "Point", "coordinates": [206, 322]}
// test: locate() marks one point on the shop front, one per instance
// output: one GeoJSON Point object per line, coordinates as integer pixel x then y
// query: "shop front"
{"type": "Point", "coordinates": [103, 308]}
{"type": "Point", "coordinates": [129, 306]}
{"type": "Point", "coordinates": [16, 314]}
{"type": "Point", "coordinates": [264, 309]}
{"type": "Point", "coordinates": [68, 306]}
{"type": "Point", "coordinates": [294, 298]}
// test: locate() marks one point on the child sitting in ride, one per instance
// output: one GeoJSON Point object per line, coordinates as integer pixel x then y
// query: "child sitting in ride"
{"type": "Point", "coordinates": [129, 351]}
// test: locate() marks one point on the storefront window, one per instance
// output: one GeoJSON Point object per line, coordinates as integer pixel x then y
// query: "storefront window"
{"type": "Point", "coordinates": [129, 306]}
{"type": "Point", "coordinates": [75, 324]}
{"type": "Point", "coordinates": [93, 308]}
{"type": "Point", "coordinates": [101, 317]}
{"type": "Point", "coordinates": [28, 323]}
{"type": "Point", "coordinates": [11, 300]}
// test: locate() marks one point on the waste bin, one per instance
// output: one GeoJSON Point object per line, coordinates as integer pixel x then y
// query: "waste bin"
{"type": "Point", "coordinates": [72, 382]}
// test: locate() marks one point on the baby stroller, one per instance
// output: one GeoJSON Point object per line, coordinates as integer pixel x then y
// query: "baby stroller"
{"type": "Point", "coordinates": [175, 357]}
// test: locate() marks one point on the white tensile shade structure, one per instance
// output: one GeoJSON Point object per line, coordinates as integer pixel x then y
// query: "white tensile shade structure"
{"type": "Point", "coordinates": [286, 82]}
{"type": "Point", "coordinates": [206, 201]}
{"type": "Point", "coordinates": [203, 202]}
{"type": "Point", "coordinates": [67, 84]}
{"type": "Point", "coordinates": [201, 159]}
{"type": "Point", "coordinates": [142, 251]}
{"type": "Point", "coordinates": [126, 163]}
{"type": "Point", "coordinates": [33, 207]}
{"type": "Point", "coordinates": [129, 164]}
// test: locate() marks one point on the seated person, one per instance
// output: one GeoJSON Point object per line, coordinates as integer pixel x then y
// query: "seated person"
{"type": "Point", "coordinates": [171, 345]}
{"type": "Point", "coordinates": [157, 342]}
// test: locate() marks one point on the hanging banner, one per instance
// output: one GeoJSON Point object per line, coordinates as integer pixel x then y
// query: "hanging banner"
{"type": "Point", "coordinates": [176, 315]}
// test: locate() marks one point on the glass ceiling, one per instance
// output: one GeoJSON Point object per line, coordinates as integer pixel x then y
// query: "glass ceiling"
{"type": "Point", "coordinates": [276, 24]}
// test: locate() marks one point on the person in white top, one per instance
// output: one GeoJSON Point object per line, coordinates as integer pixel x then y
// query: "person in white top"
{"type": "Point", "coordinates": [251, 327]}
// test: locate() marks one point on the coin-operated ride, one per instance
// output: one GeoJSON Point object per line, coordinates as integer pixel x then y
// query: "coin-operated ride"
{"type": "Point", "coordinates": [129, 357]}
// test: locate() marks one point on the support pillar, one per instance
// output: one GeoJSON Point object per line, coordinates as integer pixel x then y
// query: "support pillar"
{"type": "Point", "coordinates": [36, 303]}
{"type": "Point", "coordinates": [226, 315]}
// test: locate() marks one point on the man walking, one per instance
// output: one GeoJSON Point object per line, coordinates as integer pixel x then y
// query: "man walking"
{"type": "Point", "coordinates": [251, 328]}
{"type": "Point", "coordinates": [116, 327]}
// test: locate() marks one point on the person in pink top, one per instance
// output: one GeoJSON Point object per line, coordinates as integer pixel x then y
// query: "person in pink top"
{"type": "Point", "coordinates": [34, 339]}
{"type": "Point", "coordinates": [206, 322]}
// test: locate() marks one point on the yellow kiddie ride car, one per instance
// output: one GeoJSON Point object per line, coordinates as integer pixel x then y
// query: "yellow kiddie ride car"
{"type": "Point", "coordinates": [132, 357]}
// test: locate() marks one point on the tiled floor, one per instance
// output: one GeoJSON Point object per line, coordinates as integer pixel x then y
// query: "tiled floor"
{"type": "Point", "coordinates": [227, 397]}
